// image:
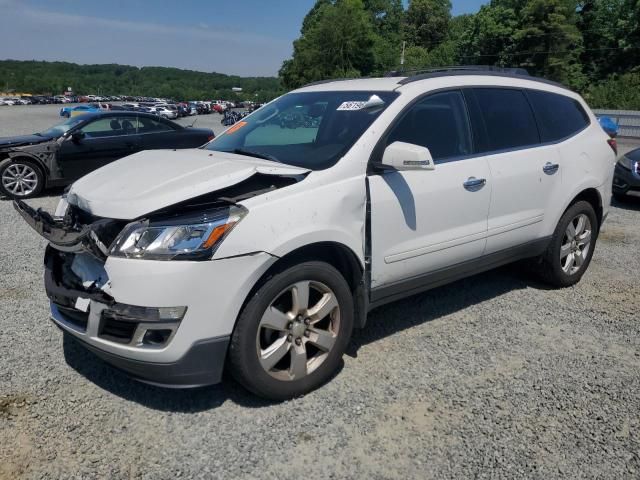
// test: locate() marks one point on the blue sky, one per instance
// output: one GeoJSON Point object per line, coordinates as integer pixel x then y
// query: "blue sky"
{"type": "Point", "coordinates": [244, 37]}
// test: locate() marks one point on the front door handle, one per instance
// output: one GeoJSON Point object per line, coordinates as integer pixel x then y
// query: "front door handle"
{"type": "Point", "coordinates": [550, 168]}
{"type": "Point", "coordinates": [474, 184]}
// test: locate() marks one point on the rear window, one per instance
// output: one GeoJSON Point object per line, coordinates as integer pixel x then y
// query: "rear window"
{"type": "Point", "coordinates": [508, 119]}
{"type": "Point", "coordinates": [558, 116]}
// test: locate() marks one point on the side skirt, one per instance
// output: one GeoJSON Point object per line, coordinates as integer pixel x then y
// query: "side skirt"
{"type": "Point", "coordinates": [406, 288]}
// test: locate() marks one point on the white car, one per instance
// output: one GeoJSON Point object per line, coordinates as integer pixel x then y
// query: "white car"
{"type": "Point", "coordinates": [166, 112]}
{"type": "Point", "coordinates": [263, 250]}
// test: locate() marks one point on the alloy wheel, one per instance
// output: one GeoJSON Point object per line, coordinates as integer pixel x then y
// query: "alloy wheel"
{"type": "Point", "coordinates": [576, 244]}
{"type": "Point", "coordinates": [19, 179]}
{"type": "Point", "coordinates": [298, 330]}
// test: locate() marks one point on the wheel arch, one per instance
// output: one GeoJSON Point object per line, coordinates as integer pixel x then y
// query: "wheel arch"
{"type": "Point", "coordinates": [592, 196]}
{"type": "Point", "coordinates": [336, 254]}
{"type": "Point", "coordinates": [14, 156]}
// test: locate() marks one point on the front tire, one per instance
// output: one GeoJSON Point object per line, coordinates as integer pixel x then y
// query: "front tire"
{"type": "Point", "coordinates": [572, 245]}
{"type": "Point", "coordinates": [290, 337]}
{"type": "Point", "coordinates": [20, 178]}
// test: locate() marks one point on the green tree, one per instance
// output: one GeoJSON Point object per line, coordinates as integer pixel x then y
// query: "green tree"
{"type": "Point", "coordinates": [548, 41]}
{"type": "Point", "coordinates": [387, 17]}
{"type": "Point", "coordinates": [427, 22]}
{"type": "Point", "coordinates": [337, 42]}
{"type": "Point", "coordinates": [611, 33]}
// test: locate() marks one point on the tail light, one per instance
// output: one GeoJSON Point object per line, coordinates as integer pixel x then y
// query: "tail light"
{"type": "Point", "coordinates": [613, 144]}
{"type": "Point", "coordinates": [211, 137]}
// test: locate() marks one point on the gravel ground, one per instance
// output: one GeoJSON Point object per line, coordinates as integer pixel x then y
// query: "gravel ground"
{"type": "Point", "coordinates": [492, 377]}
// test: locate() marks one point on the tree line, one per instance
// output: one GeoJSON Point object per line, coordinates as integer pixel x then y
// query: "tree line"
{"type": "Point", "coordinates": [55, 77]}
{"type": "Point", "coordinates": [592, 46]}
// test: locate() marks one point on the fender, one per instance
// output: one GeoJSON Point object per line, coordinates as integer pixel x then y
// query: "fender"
{"type": "Point", "coordinates": [44, 159]}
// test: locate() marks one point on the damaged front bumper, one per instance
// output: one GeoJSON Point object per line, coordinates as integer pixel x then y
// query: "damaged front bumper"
{"type": "Point", "coordinates": [163, 322]}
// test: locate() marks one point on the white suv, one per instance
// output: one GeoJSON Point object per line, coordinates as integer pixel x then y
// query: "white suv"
{"type": "Point", "coordinates": [263, 249]}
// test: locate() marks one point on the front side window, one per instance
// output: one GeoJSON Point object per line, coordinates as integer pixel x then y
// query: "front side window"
{"type": "Point", "coordinates": [508, 119]}
{"type": "Point", "coordinates": [558, 116]}
{"type": "Point", "coordinates": [110, 127]}
{"type": "Point", "coordinates": [440, 123]}
{"type": "Point", "coordinates": [311, 130]}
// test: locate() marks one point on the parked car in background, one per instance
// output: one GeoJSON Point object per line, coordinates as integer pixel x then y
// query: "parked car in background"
{"type": "Point", "coordinates": [626, 179]}
{"type": "Point", "coordinates": [262, 251]}
{"type": "Point", "coordinates": [83, 143]}
{"type": "Point", "coordinates": [167, 112]}
{"type": "Point", "coordinates": [80, 110]}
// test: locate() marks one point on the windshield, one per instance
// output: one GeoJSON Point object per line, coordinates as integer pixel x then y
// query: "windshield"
{"type": "Point", "coordinates": [311, 130]}
{"type": "Point", "coordinates": [64, 127]}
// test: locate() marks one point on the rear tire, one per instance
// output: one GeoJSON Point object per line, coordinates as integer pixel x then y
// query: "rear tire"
{"type": "Point", "coordinates": [20, 178]}
{"type": "Point", "coordinates": [290, 337]}
{"type": "Point", "coordinates": [571, 248]}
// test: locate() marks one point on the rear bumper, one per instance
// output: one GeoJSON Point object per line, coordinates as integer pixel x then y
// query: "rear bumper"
{"type": "Point", "coordinates": [201, 365]}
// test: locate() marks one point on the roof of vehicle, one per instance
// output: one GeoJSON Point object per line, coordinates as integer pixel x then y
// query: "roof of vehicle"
{"type": "Point", "coordinates": [395, 80]}
{"type": "Point", "coordinates": [116, 113]}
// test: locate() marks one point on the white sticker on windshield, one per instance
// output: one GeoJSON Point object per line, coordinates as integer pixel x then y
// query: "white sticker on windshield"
{"type": "Point", "coordinates": [350, 106]}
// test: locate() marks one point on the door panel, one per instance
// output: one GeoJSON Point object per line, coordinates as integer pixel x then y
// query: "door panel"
{"type": "Point", "coordinates": [101, 144]}
{"type": "Point", "coordinates": [157, 134]}
{"type": "Point", "coordinates": [523, 180]}
{"type": "Point", "coordinates": [425, 221]}
{"type": "Point", "coordinates": [521, 194]}
{"type": "Point", "coordinates": [422, 221]}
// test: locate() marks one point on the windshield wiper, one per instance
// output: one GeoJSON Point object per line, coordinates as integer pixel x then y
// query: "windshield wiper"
{"type": "Point", "coordinates": [251, 153]}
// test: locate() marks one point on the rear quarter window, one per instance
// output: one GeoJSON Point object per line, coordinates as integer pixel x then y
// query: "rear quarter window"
{"type": "Point", "coordinates": [558, 116]}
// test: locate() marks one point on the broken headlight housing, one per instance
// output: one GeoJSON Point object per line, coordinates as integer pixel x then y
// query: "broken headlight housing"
{"type": "Point", "coordinates": [193, 237]}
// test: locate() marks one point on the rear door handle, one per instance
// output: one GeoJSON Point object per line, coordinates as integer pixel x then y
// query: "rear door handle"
{"type": "Point", "coordinates": [474, 184]}
{"type": "Point", "coordinates": [550, 168]}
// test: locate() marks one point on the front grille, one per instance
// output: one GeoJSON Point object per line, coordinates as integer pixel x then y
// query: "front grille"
{"type": "Point", "coordinates": [75, 317]}
{"type": "Point", "coordinates": [119, 331]}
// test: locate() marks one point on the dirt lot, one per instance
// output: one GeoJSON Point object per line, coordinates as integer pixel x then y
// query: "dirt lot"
{"type": "Point", "coordinates": [495, 376]}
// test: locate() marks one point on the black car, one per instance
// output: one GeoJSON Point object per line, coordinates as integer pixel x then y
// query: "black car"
{"type": "Point", "coordinates": [626, 177]}
{"type": "Point", "coordinates": [81, 144]}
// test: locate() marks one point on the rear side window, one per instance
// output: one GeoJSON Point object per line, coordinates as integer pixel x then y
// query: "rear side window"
{"type": "Point", "coordinates": [508, 119]}
{"type": "Point", "coordinates": [440, 123]}
{"type": "Point", "coordinates": [558, 116]}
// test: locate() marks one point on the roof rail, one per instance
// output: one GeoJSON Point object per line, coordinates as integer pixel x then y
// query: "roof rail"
{"type": "Point", "coordinates": [457, 68]}
{"type": "Point", "coordinates": [473, 70]}
{"type": "Point", "coordinates": [330, 80]}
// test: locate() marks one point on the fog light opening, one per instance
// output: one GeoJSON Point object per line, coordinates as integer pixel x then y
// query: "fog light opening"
{"type": "Point", "coordinates": [156, 337]}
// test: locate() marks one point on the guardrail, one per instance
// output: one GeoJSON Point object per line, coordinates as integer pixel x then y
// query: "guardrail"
{"type": "Point", "coordinates": [627, 120]}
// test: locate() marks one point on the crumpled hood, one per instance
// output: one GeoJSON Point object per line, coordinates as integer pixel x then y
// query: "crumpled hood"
{"type": "Point", "coordinates": [148, 181]}
{"type": "Point", "coordinates": [21, 140]}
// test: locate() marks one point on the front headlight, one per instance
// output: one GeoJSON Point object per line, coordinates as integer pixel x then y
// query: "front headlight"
{"type": "Point", "coordinates": [194, 237]}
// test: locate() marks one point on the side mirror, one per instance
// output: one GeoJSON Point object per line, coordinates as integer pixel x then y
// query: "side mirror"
{"type": "Point", "coordinates": [77, 136]}
{"type": "Point", "coordinates": [407, 156]}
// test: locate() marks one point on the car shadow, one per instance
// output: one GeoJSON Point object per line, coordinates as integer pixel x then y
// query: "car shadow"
{"type": "Point", "coordinates": [628, 203]}
{"type": "Point", "coordinates": [383, 321]}
{"type": "Point", "coordinates": [442, 301]}
{"type": "Point", "coordinates": [190, 400]}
